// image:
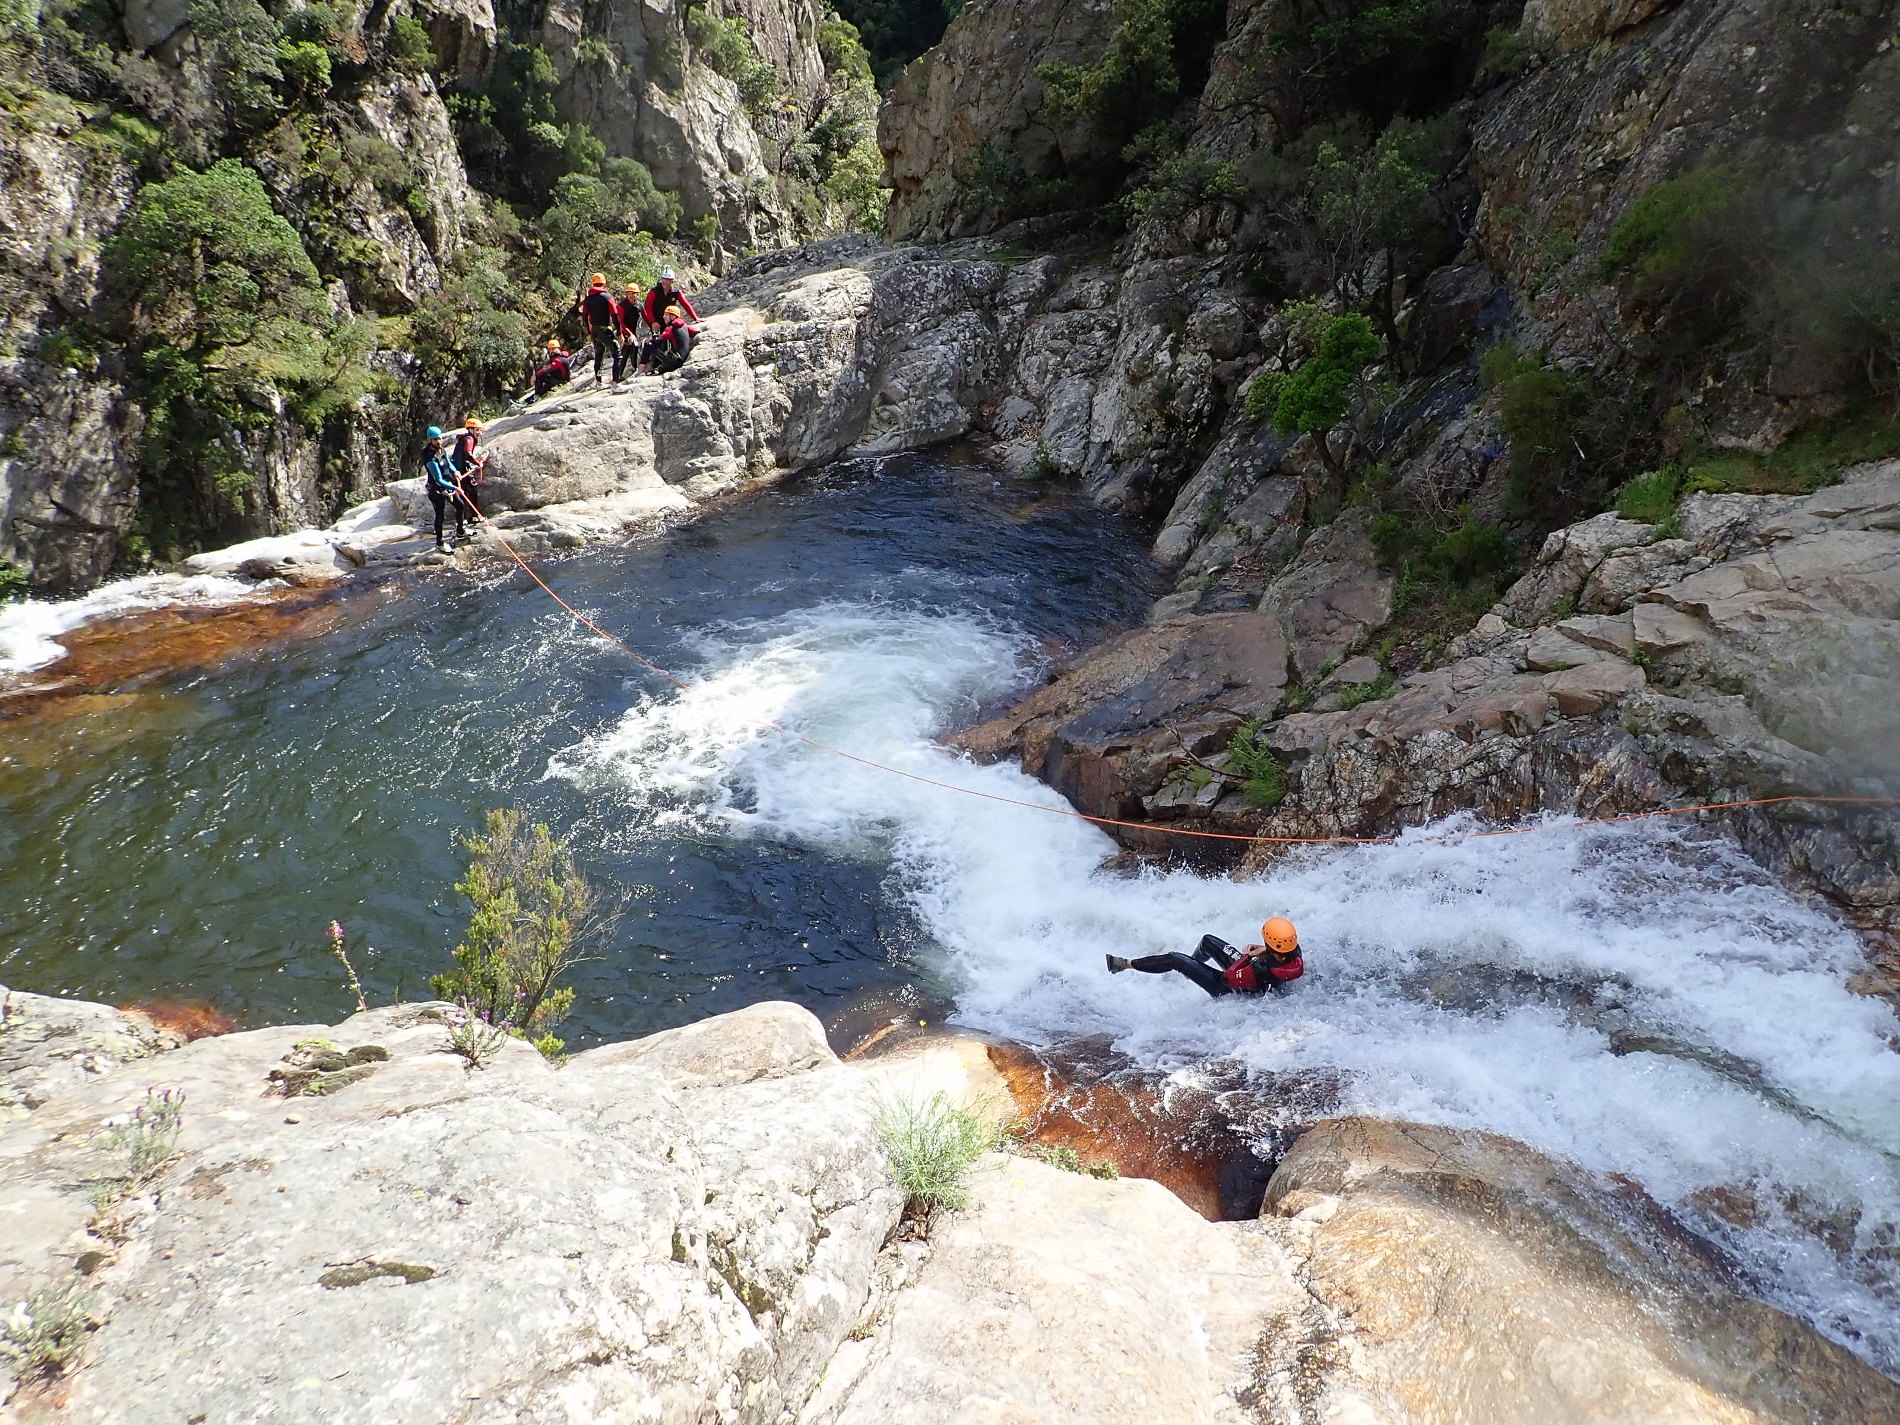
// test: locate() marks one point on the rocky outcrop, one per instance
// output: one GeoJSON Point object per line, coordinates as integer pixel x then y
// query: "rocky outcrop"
{"type": "Point", "coordinates": [701, 1225]}
{"type": "Point", "coordinates": [1585, 1305]}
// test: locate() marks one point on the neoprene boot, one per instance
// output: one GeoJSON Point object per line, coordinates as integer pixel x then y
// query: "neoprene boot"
{"type": "Point", "coordinates": [1116, 964]}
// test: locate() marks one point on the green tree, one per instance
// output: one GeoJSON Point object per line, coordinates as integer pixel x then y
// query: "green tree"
{"type": "Point", "coordinates": [410, 48]}
{"type": "Point", "coordinates": [529, 909]}
{"type": "Point", "coordinates": [224, 314]}
{"type": "Point", "coordinates": [1355, 214]}
{"type": "Point", "coordinates": [1315, 395]}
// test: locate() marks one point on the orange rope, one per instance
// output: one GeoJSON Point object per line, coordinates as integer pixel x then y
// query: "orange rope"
{"type": "Point", "coordinates": [813, 742]}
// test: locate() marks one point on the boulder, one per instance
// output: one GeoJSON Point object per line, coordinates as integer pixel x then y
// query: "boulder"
{"type": "Point", "coordinates": [684, 1238]}
{"type": "Point", "coordinates": [1109, 729]}
{"type": "Point", "coordinates": [1488, 1285]}
{"type": "Point", "coordinates": [1060, 1297]}
{"type": "Point", "coordinates": [1333, 595]}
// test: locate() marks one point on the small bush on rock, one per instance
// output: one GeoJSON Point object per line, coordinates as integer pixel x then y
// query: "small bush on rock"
{"type": "Point", "coordinates": [43, 1335]}
{"type": "Point", "coordinates": [530, 910]}
{"type": "Point", "coordinates": [933, 1146]}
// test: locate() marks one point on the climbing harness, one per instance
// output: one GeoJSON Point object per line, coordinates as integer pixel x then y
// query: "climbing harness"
{"type": "Point", "coordinates": [1163, 829]}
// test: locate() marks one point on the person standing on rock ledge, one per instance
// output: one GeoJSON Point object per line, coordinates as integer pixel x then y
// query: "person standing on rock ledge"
{"type": "Point", "coordinates": [1220, 969]}
{"type": "Point", "coordinates": [602, 314]}
{"type": "Point", "coordinates": [438, 482]}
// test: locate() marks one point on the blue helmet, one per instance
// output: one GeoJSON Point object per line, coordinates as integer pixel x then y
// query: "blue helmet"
{"type": "Point", "coordinates": [435, 432]}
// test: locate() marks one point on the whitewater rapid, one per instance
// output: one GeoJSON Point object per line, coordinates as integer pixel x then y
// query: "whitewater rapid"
{"type": "Point", "coordinates": [1634, 998]}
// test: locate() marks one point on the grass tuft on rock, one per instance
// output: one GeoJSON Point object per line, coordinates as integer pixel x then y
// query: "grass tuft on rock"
{"type": "Point", "coordinates": [933, 1145]}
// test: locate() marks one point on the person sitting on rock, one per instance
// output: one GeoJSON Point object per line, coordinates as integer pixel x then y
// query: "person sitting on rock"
{"type": "Point", "coordinates": [666, 293]}
{"type": "Point", "coordinates": [438, 482]}
{"type": "Point", "coordinates": [669, 348]}
{"type": "Point", "coordinates": [555, 371]}
{"type": "Point", "coordinates": [1220, 969]}
{"type": "Point", "coordinates": [602, 315]}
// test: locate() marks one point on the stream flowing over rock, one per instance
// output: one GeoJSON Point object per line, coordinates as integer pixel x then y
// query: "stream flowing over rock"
{"type": "Point", "coordinates": [358, 1226]}
{"type": "Point", "coordinates": [1753, 655]}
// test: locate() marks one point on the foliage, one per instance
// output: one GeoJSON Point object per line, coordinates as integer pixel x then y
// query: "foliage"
{"type": "Point", "coordinates": [704, 231]}
{"type": "Point", "coordinates": [44, 1334]}
{"type": "Point", "coordinates": [1150, 60]}
{"type": "Point", "coordinates": [225, 312]}
{"type": "Point", "coordinates": [895, 32]}
{"type": "Point", "coordinates": [1663, 233]}
{"type": "Point", "coordinates": [481, 322]}
{"type": "Point", "coordinates": [305, 67]}
{"type": "Point", "coordinates": [1353, 213]}
{"type": "Point", "coordinates": [530, 909]}
{"type": "Point", "coordinates": [726, 46]}
{"type": "Point", "coordinates": [240, 44]}
{"type": "Point", "coordinates": [1314, 397]}
{"type": "Point", "coordinates": [1262, 779]}
{"type": "Point", "coordinates": [1508, 52]}
{"type": "Point", "coordinates": [1380, 58]}
{"type": "Point", "coordinates": [1042, 463]}
{"type": "Point", "coordinates": [1060, 1155]}
{"type": "Point", "coordinates": [409, 47]}
{"type": "Point", "coordinates": [1650, 498]}
{"type": "Point", "coordinates": [1352, 695]}
{"type": "Point", "coordinates": [476, 1037]}
{"type": "Point", "coordinates": [1179, 183]}
{"type": "Point", "coordinates": [933, 1145]}
{"type": "Point", "coordinates": [1807, 461]}
{"type": "Point", "coordinates": [341, 951]}
{"type": "Point", "coordinates": [149, 1135]}
{"type": "Point", "coordinates": [1572, 441]}
{"type": "Point", "coordinates": [13, 582]}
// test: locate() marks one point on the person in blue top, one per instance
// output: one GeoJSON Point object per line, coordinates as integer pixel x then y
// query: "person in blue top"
{"type": "Point", "coordinates": [438, 480]}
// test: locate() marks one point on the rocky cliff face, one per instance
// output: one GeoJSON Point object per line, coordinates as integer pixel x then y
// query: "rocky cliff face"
{"type": "Point", "coordinates": [354, 139]}
{"type": "Point", "coordinates": [702, 1226]}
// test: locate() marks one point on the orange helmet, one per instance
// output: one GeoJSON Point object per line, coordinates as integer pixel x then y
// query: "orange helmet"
{"type": "Point", "coordinates": [1279, 936]}
{"type": "Point", "coordinates": [553, 345]}
{"type": "Point", "coordinates": [672, 312]}
{"type": "Point", "coordinates": [599, 279]}
{"type": "Point", "coordinates": [471, 424]}
{"type": "Point", "coordinates": [634, 288]}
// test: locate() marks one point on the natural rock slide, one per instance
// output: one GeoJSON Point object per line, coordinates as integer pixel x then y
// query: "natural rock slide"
{"type": "Point", "coordinates": [700, 1226]}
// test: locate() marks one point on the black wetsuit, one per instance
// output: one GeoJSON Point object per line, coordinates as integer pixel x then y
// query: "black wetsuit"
{"type": "Point", "coordinates": [603, 325]}
{"type": "Point", "coordinates": [669, 350]}
{"type": "Point", "coordinates": [1204, 967]}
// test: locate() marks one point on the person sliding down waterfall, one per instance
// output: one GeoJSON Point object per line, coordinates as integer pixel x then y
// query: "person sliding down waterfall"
{"type": "Point", "coordinates": [1220, 969]}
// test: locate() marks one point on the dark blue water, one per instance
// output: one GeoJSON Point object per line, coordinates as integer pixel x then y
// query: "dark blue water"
{"type": "Point", "coordinates": [198, 842]}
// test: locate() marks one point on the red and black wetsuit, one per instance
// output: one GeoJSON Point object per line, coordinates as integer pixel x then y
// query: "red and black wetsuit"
{"type": "Point", "coordinates": [659, 299]}
{"type": "Point", "coordinates": [553, 373]}
{"type": "Point", "coordinates": [603, 325]}
{"type": "Point", "coordinates": [1220, 969]}
{"type": "Point", "coordinates": [668, 351]}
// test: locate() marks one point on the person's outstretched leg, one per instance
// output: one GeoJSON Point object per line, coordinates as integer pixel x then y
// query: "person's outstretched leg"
{"type": "Point", "coordinates": [1205, 976]}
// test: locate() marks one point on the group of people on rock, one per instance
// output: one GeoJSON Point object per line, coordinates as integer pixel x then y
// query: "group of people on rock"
{"type": "Point", "coordinates": [634, 334]}
{"type": "Point", "coordinates": [451, 472]}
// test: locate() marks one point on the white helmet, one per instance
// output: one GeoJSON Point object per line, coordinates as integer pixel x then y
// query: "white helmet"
{"type": "Point", "coordinates": [667, 274]}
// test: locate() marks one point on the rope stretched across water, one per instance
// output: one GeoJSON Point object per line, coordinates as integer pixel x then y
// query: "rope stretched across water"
{"type": "Point", "coordinates": [1163, 829]}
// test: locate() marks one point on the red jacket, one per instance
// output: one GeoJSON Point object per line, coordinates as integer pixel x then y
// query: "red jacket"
{"type": "Point", "coordinates": [1243, 975]}
{"type": "Point", "coordinates": [658, 300]}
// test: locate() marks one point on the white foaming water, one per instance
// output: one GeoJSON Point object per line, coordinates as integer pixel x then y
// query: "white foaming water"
{"type": "Point", "coordinates": [1627, 997]}
{"type": "Point", "coordinates": [30, 630]}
